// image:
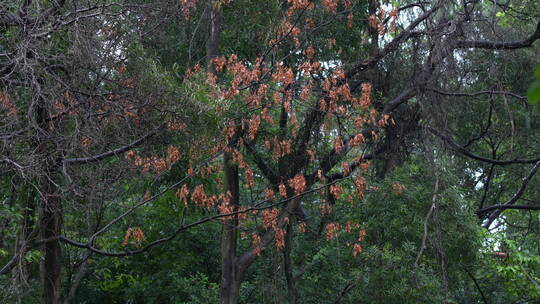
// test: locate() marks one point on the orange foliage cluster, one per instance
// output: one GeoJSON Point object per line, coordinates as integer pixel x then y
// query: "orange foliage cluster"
{"type": "Point", "coordinates": [336, 190]}
{"type": "Point", "coordinates": [331, 230]}
{"type": "Point", "coordinates": [256, 243]}
{"type": "Point", "coordinates": [301, 4]}
{"type": "Point", "coordinates": [66, 104]}
{"type": "Point", "coordinates": [270, 221]}
{"type": "Point", "coordinates": [269, 194]}
{"type": "Point", "coordinates": [209, 170]}
{"type": "Point", "coordinates": [298, 184]}
{"type": "Point", "coordinates": [158, 164]}
{"type": "Point", "coordinates": [270, 218]}
{"type": "Point", "coordinates": [191, 71]}
{"type": "Point", "coordinates": [280, 238]}
{"type": "Point", "coordinates": [361, 185]}
{"type": "Point", "coordinates": [398, 189]}
{"type": "Point", "coordinates": [226, 207]}
{"type": "Point", "coordinates": [346, 168]}
{"type": "Point", "coordinates": [330, 5]}
{"type": "Point", "coordinates": [134, 234]}
{"type": "Point", "coordinates": [331, 43]}
{"type": "Point", "coordinates": [384, 120]}
{"type": "Point", "coordinates": [286, 29]}
{"type": "Point", "coordinates": [350, 20]}
{"type": "Point", "coordinates": [338, 144]}
{"type": "Point", "coordinates": [182, 194]}
{"type": "Point", "coordinates": [254, 124]}
{"type": "Point", "coordinates": [349, 226]}
{"type": "Point", "coordinates": [187, 6]}
{"type": "Point", "coordinates": [282, 190]}
{"type": "Point", "coordinates": [230, 130]}
{"type": "Point", "coordinates": [238, 159]}
{"type": "Point", "coordinates": [357, 248]}
{"type": "Point", "coordinates": [325, 209]}
{"type": "Point", "coordinates": [85, 141]}
{"type": "Point", "coordinates": [281, 148]}
{"type": "Point", "coordinates": [265, 115]}
{"type": "Point", "coordinates": [357, 140]}
{"type": "Point", "coordinates": [176, 126]}
{"type": "Point", "coordinates": [305, 93]}
{"type": "Point", "coordinates": [283, 75]}
{"type": "Point", "coordinates": [249, 175]}
{"type": "Point", "coordinates": [242, 76]}
{"type": "Point", "coordinates": [302, 227]}
{"type": "Point", "coordinates": [365, 98]}
{"type": "Point", "coordinates": [376, 21]}
{"type": "Point", "coordinates": [311, 155]}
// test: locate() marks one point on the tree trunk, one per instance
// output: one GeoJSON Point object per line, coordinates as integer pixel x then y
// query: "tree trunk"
{"type": "Point", "coordinates": [50, 268]}
{"type": "Point", "coordinates": [288, 267]}
{"type": "Point", "coordinates": [214, 28]}
{"type": "Point", "coordinates": [50, 212]}
{"type": "Point", "coordinates": [230, 276]}
{"type": "Point", "coordinates": [230, 281]}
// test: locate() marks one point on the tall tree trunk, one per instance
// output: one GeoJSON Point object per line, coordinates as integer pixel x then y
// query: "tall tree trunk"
{"type": "Point", "coordinates": [50, 213]}
{"type": "Point", "coordinates": [214, 29]}
{"type": "Point", "coordinates": [50, 268]}
{"type": "Point", "coordinates": [288, 267]}
{"type": "Point", "coordinates": [373, 31]}
{"type": "Point", "coordinates": [230, 280]}
{"type": "Point", "coordinates": [230, 276]}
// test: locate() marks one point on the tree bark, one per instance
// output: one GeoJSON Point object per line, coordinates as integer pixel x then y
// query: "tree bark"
{"type": "Point", "coordinates": [288, 267]}
{"type": "Point", "coordinates": [50, 268]}
{"type": "Point", "coordinates": [230, 276]}
{"type": "Point", "coordinates": [230, 281]}
{"type": "Point", "coordinates": [50, 211]}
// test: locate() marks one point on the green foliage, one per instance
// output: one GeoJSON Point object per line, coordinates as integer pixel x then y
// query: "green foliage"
{"type": "Point", "coordinates": [533, 93]}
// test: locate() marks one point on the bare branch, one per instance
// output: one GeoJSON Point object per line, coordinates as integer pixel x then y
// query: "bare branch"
{"type": "Point", "coordinates": [115, 152]}
{"type": "Point", "coordinates": [473, 94]}
{"type": "Point", "coordinates": [514, 198]}
{"type": "Point", "coordinates": [504, 207]}
{"type": "Point", "coordinates": [500, 45]}
{"type": "Point", "coordinates": [394, 44]}
{"type": "Point", "coordinates": [455, 146]}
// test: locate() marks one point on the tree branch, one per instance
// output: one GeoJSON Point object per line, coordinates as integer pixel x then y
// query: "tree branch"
{"type": "Point", "coordinates": [477, 93]}
{"type": "Point", "coordinates": [500, 45]}
{"type": "Point", "coordinates": [392, 45]}
{"type": "Point", "coordinates": [514, 198]}
{"type": "Point", "coordinates": [456, 147]}
{"type": "Point", "coordinates": [115, 152]}
{"type": "Point", "coordinates": [265, 168]}
{"type": "Point", "coordinates": [504, 207]}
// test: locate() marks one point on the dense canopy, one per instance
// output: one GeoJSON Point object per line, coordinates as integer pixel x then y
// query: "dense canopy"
{"type": "Point", "coordinates": [292, 151]}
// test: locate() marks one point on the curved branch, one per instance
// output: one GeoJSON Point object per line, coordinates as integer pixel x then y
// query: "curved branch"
{"type": "Point", "coordinates": [500, 45]}
{"type": "Point", "coordinates": [392, 45]}
{"type": "Point", "coordinates": [257, 207]}
{"type": "Point", "coordinates": [98, 157]}
{"type": "Point", "coordinates": [477, 93]}
{"type": "Point", "coordinates": [504, 207]}
{"type": "Point", "coordinates": [514, 198]}
{"type": "Point", "coordinates": [456, 147]}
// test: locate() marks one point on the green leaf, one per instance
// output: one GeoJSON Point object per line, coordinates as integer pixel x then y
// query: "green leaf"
{"type": "Point", "coordinates": [533, 94]}
{"type": "Point", "coordinates": [537, 71]}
